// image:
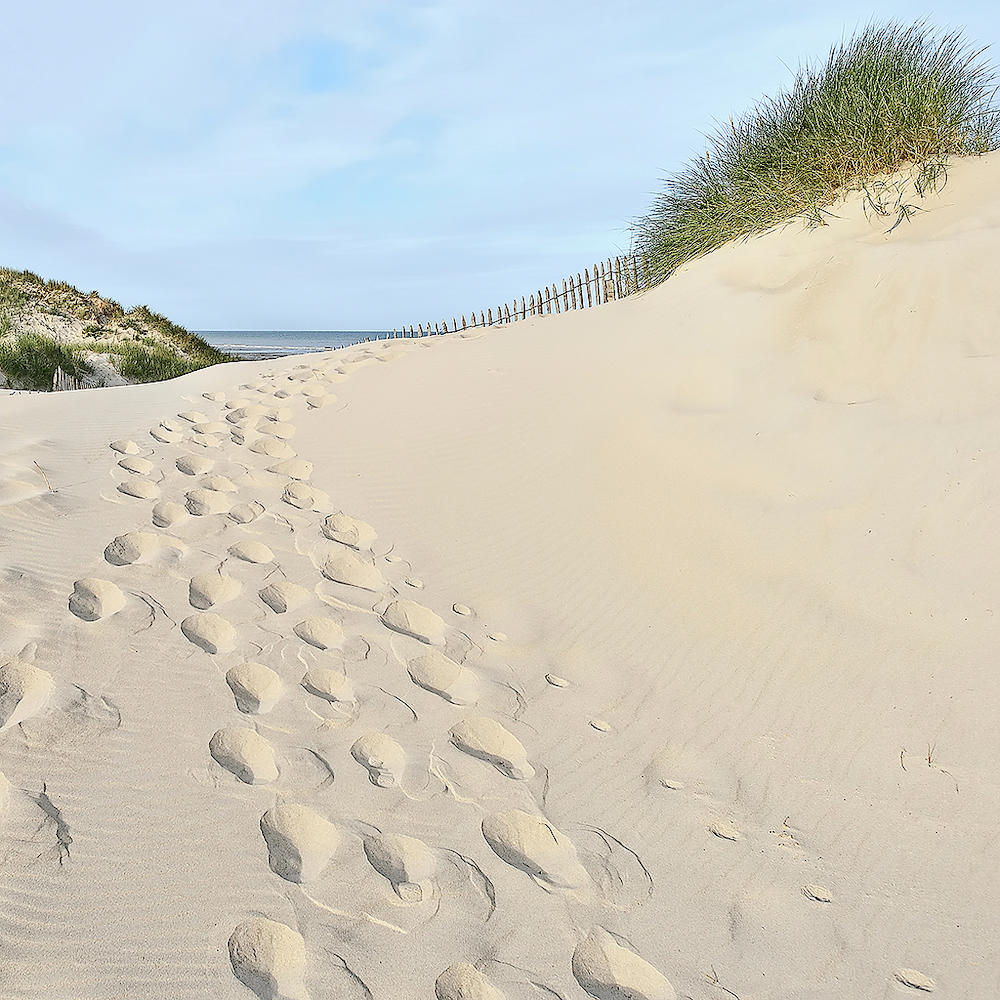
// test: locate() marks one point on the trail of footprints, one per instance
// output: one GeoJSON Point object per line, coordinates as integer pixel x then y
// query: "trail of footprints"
{"type": "Point", "coordinates": [237, 466]}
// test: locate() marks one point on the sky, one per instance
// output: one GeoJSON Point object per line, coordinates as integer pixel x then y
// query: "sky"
{"type": "Point", "coordinates": [313, 164]}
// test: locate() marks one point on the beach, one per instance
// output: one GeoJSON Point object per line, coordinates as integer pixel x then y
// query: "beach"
{"type": "Point", "coordinates": [646, 651]}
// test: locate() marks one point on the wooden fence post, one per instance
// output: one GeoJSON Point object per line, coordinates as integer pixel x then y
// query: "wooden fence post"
{"type": "Point", "coordinates": [586, 278]}
{"type": "Point", "coordinates": [555, 297]}
{"type": "Point", "coordinates": [506, 312]}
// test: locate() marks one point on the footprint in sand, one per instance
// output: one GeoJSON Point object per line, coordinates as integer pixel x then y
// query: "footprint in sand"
{"type": "Point", "coordinates": [272, 448]}
{"type": "Point", "coordinates": [915, 980]}
{"type": "Point", "coordinates": [244, 513]}
{"type": "Point", "coordinates": [304, 497]}
{"type": "Point", "coordinates": [165, 435]}
{"type": "Point", "coordinates": [328, 684]}
{"type": "Point", "coordinates": [209, 631]}
{"type": "Point", "coordinates": [139, 546]}
{"type": "Point", "coordinates": [300, 842]}
{"type": "Point", "coordinates": [463, 981]}
{"type": "Point", "coordinates": [245, 753]}
{"type": "Point", "coordinates": [141, 489]}
{"type": "Point", "coordinates": [168, 512]}
{"type": "Point", "coordinates": [270, 959]}
{"type": "Point", "coordinates": [193, 417]}
{"type": "Point", "coordinates": [210, 428]}
{"type": "Point", "coordinates": [486, 739]}
{"type": "Point", "coordinates": [255, 687]}
{"type": "Point", "coordinates": [462, 609]}
{"type": "Point", "coordinates": [341, 527]}
{"type": "Point", "coordinates": [817, 893]}
{"type": "Point", "coordinates": [93, 599]}
{"type": "Point", "coordinates": [194, 465]}
{"type": "Point", "coordinates": [725, 829]}
{"type": "Point", "coordinates": [251, 551]}
{"type": "Point", "coordinates": [24, 692]}
{"type": "Point", "coordinates": [346, 566]}
{"type": "Point", "coordinates": [208, 589]}
{"type": "Point", "coordinates": [284, 596]}
{"type": "Point", "coordinates": [606, 970]}
{"type": "Point", "coordinates": [414, 620]}
{"type": "Point", "coordinates": [408, 864]}
{"type": "Point", "coordinates": [382, 757]}
{"type": "Point", "coordinates": [136, 465]}
{"type": "Point", "coordinates": [536, 847]}
{"type": "Point", "coordinates": [247, 416]}
{"type": "Point", "coordinates": [442, 676]}
{"type": "Point", "coordinates": [202, 502]}
{"type": "Point", "coordinates": [323, 633]}
{"type": "Point", "coordinates": [219, 484]}
{"type": "Point", "coordinates": [279, 429]}
{"type": "Point", "coordinates": [293, 468]}
{"type": "Point", "coordinates": [124, 447]}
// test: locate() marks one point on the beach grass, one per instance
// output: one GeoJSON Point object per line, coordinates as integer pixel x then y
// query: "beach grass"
{"type": "Point", "coordinates": [892, 97]}
{"type": "Point", "coordinates": [29, 361]}
{"type": "Point", "coordinates": [137, 361]}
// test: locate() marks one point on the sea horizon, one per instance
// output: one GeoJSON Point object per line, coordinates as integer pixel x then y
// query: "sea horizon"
{"type": "Point", "coordinates": [280, 343]}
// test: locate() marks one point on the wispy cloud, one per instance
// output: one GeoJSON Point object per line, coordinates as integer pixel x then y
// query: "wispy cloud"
{"type": "Point", "coordinates": [317, 164]}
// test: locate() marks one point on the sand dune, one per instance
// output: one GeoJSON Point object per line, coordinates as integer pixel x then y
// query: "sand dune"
{"type": "Point", "coordinates": [644, 652]}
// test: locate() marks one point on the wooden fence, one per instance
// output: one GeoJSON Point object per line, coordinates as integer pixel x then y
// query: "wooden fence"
{"type": "Point", "coordinates": [610, 279]}
{"type": "Point", "coordinates": [61, 381]}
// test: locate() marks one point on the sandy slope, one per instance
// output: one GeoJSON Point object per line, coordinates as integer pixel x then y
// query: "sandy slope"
{"type": "Point", "coordinates": [707, 673]}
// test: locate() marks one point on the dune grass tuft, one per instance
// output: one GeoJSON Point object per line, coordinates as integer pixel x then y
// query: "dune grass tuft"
{"type": "Point", "coordinates": [891, 97]}
{"type": "Point", "coordinates": [30, 360]}
{"type": "Point", "coordinates": [146, 362]}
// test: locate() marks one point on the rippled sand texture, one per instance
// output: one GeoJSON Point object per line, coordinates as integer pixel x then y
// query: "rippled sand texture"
{"type": "Point", "coordinates": [643, 653]}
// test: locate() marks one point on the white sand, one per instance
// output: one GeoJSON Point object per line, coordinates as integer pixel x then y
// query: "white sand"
{"type": "Point", "coordinates": [643, 651]}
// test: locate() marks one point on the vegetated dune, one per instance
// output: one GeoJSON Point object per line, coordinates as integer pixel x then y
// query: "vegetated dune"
{"type": "Point", "coordinates": [50, 326]}
{"type": "Point", "coordinates": [677, 674]}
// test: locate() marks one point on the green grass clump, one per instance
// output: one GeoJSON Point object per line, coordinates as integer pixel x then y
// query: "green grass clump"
{"type": "Point", "coordinates": [29, 361]}
{"type": "Point", "coordinates": [891, 97]}
{"type": "Point", "coordinates": [139, 362]}
{"type": "Point", "coordinates": [191, 344]}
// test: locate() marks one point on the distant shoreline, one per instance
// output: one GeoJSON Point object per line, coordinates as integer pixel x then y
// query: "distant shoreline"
{"type": "Point", "coordinates": [264, 345]}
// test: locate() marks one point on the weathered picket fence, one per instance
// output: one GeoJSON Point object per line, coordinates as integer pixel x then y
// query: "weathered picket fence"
{"type": "Point", "coordinates": [610, 279]}
{"type": "Point", "coordinates": [62, 381]}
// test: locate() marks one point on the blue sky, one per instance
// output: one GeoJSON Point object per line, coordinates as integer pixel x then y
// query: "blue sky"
{"type": "Point", "coordinates": [328, 165]}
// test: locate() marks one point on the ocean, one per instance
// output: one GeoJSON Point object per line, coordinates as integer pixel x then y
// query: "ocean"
{"type": "Point", "coordinates": [259, 344]}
